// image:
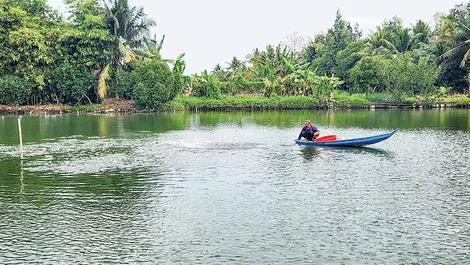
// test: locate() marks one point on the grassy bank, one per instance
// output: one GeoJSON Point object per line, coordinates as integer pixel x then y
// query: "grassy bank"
{"type": "Point", "coordinates": [260, 103]}
{"type": "Point", "coordinates": [339, 101]}
{"type": "Point", "coordinates": [108, 105]}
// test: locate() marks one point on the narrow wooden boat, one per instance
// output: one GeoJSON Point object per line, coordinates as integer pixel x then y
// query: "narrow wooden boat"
{"type": "Point", "coordinates": [350, 142]}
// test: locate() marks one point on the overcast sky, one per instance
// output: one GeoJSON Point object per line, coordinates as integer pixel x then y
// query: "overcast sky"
{"type": "Point", "coordinates": [213, 31]}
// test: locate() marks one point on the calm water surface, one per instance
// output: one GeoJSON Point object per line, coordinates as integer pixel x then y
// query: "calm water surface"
{"type": "Point", "coordinates": [213, 188]}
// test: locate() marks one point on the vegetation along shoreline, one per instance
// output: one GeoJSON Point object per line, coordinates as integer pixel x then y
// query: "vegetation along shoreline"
{"type": "Point", "coordinates": [86, 62]}
{"type": "Point", "coordinates": [128, 106]}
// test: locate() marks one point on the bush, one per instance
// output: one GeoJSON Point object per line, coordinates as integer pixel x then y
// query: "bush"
{"type": "Point", "coordinates": [355, 100]}
{"type": "Point", "coordinates": [365, 74]}
{"type": "Point", "coordinates": [403, 78]}
{"type": "Point", "coordinates": [175, 105]}
{"type": "Point", "coordinates": [70, 83]}
{"type": "Point", "coordinates": [255, 87]}
{"type": "Point", "coordinates": [458, 100]}
{"type": "Point", "coordinates": [206, 85]}
{"type": "Point", "coordinates": [150, 83]}
{"type": "Point", "coordinates": [242, 102]}
{"type": "Point", "coordinates": [227, 88]}
{"type": "Point", "coordinates": [400, 76]}
{"type": "Point", "coordinates": [14, 90]}
{"type": "Point", "coordinates": [178, 85]}
{"type": "Point", "coordinates": [125, 82]}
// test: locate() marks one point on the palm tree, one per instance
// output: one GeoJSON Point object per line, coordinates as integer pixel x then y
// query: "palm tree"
{"type": "Point", "coordinates": [153, 48]}
{"type": "Point", "coordinates": [403, 40]}
{"type": "Point", "coordinates": [456, 40]}
{"type": "Point", "coordinates": [217, 68]}
{"type": "Point", "coordinates": [379, 44]}
{"type": "Point", "coordinates": [219, 72]}
{"type": "Point", "coordinates": [235, 66]}
{"type": "Point", "coordinates": [457, 35]}
{"type": "Point", "coordinates": [254, 57]}
{"type": "Point", "coordinates": [422, 31]}
{"type": "Point", "coordinates": [130, 27]}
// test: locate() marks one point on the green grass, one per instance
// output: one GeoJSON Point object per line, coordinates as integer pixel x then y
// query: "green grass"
{"type": "Point", "coordinates": [457, 99]}
{"type": "Point", "coordinates": [241, 102]}
{"type": "Point", "coordinates": [354, 100]}
{"type": "Point", "coordinates": [260, 102]}
{"type": "Point", "coordinates": [341, 99]}
{"type": "Point", "coordinates": [85, 108]}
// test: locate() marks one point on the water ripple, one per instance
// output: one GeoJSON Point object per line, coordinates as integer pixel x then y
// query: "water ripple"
{"type": "Point", "coordinates": [156, 198]}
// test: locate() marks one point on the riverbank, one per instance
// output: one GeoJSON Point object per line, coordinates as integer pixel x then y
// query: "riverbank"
{"type": "Point", "coordinates": [299, 102]}
{"type": "Point", "coordinates": [233, 103]}
{"type": "Point", "coordinates": [107, 106]}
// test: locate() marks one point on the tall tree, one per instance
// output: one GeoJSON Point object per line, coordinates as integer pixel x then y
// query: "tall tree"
{"type": "Point", "coordinates": [324, 51]}
{"type": "Point", "coordinates": [235, 66]}
{"type": "Point", "coordinates": [86, 38]}
{"type": "Point", "coordinates": [29, 30]}
{"type": "Point", "coordinates": [294, 42]}
{"type": "Point", "coordinates": [456, 36]}
{"type": "Point", "coordinates": [379, 44]}
{"type": "Point", "coordinates": [342, 32]}
{"type": "Point", "coordinates": [130, 26]}
{"type": "Point", "coordinates": [422, 31]}
{"type": "Point", "coordinates": [403, 40]}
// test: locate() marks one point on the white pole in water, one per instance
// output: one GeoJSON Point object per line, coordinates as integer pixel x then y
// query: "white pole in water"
{"type": "Point", "coordinates": [21, 137]}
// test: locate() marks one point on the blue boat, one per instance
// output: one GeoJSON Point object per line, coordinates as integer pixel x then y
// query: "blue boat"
{"type": "Point", "coordinates": [350, 142]}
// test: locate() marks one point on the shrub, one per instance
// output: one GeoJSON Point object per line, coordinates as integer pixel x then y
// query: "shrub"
{"type": "Point", "coordinates": [403, 78]}
{"type": "Point", "coordinates": [125, 82]}
{"type": "Point", "coordinates": [14, 90]}
{"type": "Point", "coordinates": [150, 83]}
{"type": "Point", "coordinates": [178, 85]}
{"type": "Point", "coordinates": [400, 76]}
{"type": "Point", "coordinates": [355, 100]}
{"type": "Point", "coordinates": [365, 74]}
{"type": "Point", "coordinates": [243, 102]}
{"type": "Point", "coordinates": [70, 83]}
{"type": "Point", "coordinates": [459, 100]}
{"type": "Point", "coordinates": [227, 88]}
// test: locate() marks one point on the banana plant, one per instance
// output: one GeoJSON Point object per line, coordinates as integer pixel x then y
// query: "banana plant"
{"type": "Point", "coordinates": [207, 83]}
{"type": "Point", "coordinates": [323, 86]}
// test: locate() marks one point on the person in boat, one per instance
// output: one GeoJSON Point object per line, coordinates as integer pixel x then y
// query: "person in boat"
{"type": "Point", "coordinates": [309, 132]}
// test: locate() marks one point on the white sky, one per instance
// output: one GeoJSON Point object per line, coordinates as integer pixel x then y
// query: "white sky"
{"type": "Point", "coordinates": [213, 31]}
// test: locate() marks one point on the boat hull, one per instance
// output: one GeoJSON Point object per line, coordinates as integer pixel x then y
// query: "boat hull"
{"type": "Point", "coordinates": [351, 142]}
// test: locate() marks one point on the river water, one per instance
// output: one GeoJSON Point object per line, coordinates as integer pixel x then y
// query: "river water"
{"type": "Point", "coordinates": [214, 188]}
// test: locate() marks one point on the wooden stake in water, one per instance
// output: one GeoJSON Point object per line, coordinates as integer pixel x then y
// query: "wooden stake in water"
{"type": "Point", "coordinates": [21, 137]}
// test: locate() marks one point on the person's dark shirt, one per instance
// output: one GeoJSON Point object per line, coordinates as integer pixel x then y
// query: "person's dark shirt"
{"type": "Point", "coordinates": [305, 130]}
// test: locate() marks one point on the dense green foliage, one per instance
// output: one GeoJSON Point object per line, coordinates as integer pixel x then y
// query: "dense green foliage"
{"type": "Point", "coordinates": [103, 49]}
{"type": "Point", "coordinates": [403, 78]}
{"type": "Point", "coordinates": [152, 83]}
{"type": "Point", "coordinates": [364, 76]}
{"type": "Point", "coordinates": [70, 83]}
{"type": "Point", "coordinates": [262, 102]}
{"type": "Point", "coordinates": [400, 76]}
{"type": "Point", "coordinates": [402, 62]}
{"type": "Point", "coordinates": [14, 90]}
{"type": "Point", "coordinates": [45, 58]}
